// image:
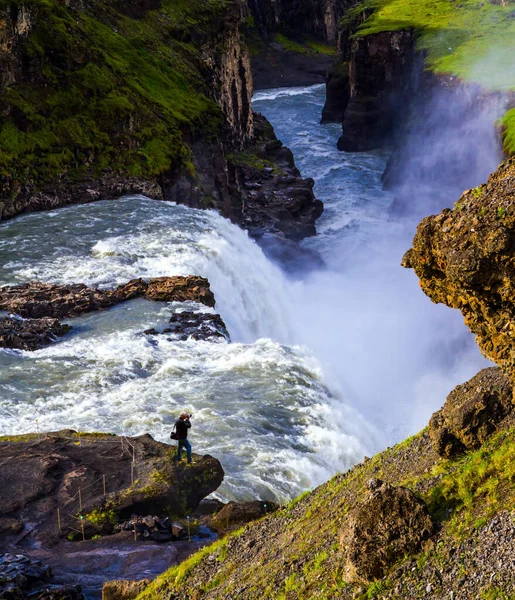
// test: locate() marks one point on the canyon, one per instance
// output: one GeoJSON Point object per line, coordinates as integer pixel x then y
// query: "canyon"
{"type": "Point", "coordinates": [87, 115]}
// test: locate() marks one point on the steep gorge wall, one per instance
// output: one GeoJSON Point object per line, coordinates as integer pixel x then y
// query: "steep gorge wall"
{"type": "Point", "coordinates": [106, 99]}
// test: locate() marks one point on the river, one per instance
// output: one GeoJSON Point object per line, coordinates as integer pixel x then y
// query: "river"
{"type": "Point", "coordinates": [324, 367]}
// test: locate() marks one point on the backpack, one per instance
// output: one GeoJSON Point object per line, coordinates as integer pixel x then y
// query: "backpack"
{"type": "Point", "coordinates": [173, 435]}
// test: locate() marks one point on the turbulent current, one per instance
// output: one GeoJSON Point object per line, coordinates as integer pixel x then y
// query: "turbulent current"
{"type": "Point", "coordinates": [323, 367]}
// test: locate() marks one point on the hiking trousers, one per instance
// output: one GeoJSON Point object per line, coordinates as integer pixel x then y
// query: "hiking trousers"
{"type": "Point", "coordinates": [183, 444]}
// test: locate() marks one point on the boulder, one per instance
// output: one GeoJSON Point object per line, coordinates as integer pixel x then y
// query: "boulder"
{"type": "Point", "coordinates": [471, 413]}
{"type": "Point", "coordinates": [123, 589]}
{"type": "Point", "coordinates": [197, 326]}
{"type": "Point", "coordinates": [236, 514]}
{"type": "Point", "coordinates": [89, 482]}
{"type": "Point", "coordinates": [30, 334]}
{"type": "Point", "coordinates": [388, 523]}
{"type": "Point", "coordinates": [180, 289]}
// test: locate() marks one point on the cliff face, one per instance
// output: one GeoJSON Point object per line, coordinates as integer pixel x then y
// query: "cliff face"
{"type": "Point", "coordinates": [293, 42]}
{"type": "Point", "coordinates": [464, 259]}
{"type": "Point", "coordinates": [380, 88]}
{"type": "Point", "coordinates": [99, 100]}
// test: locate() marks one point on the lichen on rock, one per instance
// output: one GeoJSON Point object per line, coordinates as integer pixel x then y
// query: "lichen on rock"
{"type": "Point", "coordinates": [471, 413]}
{"type": "Point", "coordinates": [464, 258]}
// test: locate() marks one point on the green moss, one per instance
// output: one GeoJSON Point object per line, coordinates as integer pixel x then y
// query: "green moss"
{"type": "Point", "coordinates": [308, 46]}
{"type": "Point", "coordinates": [507, 124]}
{"type": "Point", "coordinates": [101, 517]}
{"type": "Point", "coordinates": [470, 39]}
{"type": "Point", "coordinates": [115, 92]}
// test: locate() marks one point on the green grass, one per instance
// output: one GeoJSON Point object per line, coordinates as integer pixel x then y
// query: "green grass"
{"type": "Point", "coordinates": [308, 46]}
{"type": "Point", "coordinates": [114, 91]}
{"type": "Point", "coordinates": [470, 39]}
{"type": "Point", "coordinates": [507, 124]}
{"type": "Point", "coordinates": [474, 488]}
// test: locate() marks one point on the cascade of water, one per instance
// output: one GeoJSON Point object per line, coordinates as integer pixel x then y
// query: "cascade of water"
{"type": "Point", "coordinates": [261, 406]}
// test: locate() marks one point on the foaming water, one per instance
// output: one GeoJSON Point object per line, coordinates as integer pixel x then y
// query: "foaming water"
{"type": "Point", "coordinates": [259, 405]}
{"type": "Point", "coordinates": [393, 353]}
{"type": "Point", "coordinates": [321, 371]}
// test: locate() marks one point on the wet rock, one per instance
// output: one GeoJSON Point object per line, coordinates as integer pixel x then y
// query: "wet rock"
{"type": "Point", "coordinates": [22, 577]}
{"type": "Point", "coordinates": [180, 289]}
{"type": "Point", "coordinates": [337, 94]}
{"type": "Point", "coordinates": [464, 259]}
{"type": "Point", "coordinates": [389, 523]}
{"type": "Point", "coordinates": [197, 326]}
{"type": "Point", "coordinates": [30, 334]}
{"type": "Point", "coordinates": [43, 473]}
{"type": "Point", "coordinates": [36, 300]}
{"type": "Point", "coordinates": [123, 589]}
{"type": "Point", "coordinates": [471, 413]}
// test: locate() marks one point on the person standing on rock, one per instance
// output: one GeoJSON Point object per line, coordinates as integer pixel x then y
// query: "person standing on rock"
{"type": "Point", "coordinates": [181, 432]}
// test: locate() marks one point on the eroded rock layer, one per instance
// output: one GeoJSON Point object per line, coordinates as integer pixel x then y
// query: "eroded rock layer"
{"type": "Point", "coordinates": [464, 258]}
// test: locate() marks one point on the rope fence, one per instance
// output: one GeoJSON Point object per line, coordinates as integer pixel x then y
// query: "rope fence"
{"type": "Point", "coordinates": [70, 515]}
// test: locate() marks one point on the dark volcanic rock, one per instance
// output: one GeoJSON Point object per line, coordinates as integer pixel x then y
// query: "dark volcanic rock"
{"type": "Point", "coordinates": [277, 199]}
{"type": "Point", "coordinates": [337, 94]}
{"type": "Point", "coordinates": [22, 577]}
{"type": "Point", "coordinates": [41, 474]}
{"type": "Point", "coordinates": [198, 326]}
{"type": "Point", "coordinates": [380, 88]}
{"type": "Point", "coordinates": [37, 299]}
{"type": "Point", "coordinates": [30, 334]}
{"type": "Point", "coordinates": [388, 524]}
{"type": "Point", "coordinates": [471, 413]}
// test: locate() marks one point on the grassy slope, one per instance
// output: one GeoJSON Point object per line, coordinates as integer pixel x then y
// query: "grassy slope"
{"type": "Point", "coordinates": [115, 92]}
{"type": "Point", "coordinates": [295, 553]}
{"type": "Point", "coordinates": [472, 39]}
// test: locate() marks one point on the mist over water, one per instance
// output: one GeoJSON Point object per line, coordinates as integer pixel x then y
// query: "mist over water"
{"type": "Point", "coordinates": [323, 368]}
{"type": "Point", "coordinates": [394, 355]}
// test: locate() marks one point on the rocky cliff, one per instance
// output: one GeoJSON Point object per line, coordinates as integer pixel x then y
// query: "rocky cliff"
{"type": "Point", "coordinates": [464, 258]}
{"type": "Point", "coordinates": [98, 100]}
{"type": "Point", "coordinates": [292, 42]}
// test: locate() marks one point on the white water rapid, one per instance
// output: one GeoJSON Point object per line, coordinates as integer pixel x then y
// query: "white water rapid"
{"type": "Point", "coordinates": [322, 369]}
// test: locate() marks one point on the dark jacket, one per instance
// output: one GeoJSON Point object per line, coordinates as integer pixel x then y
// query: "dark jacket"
{"type": "Point", "coordinates": [181, 428]}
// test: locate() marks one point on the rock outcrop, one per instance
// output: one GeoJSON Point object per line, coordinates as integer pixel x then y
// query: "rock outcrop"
{"type": "Point", "coordinates": [60, 484]}
{"type": "Point", "coordinates": [388, 523]}
{"type": "Point", "coordinates": [380, 88]}
{"type": "Point", "coordinates": [197, 326]}
{"type": "Point", "coordinates": [36, 300]}
{"type": "Point", "coordinates": [30, 334]}
{"type": "Point", "coordinates": [337, 94]}
{"type": "Point", "coordinates": [463, 258]}
{"type": "Point", "coordinates": [471, 413]}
